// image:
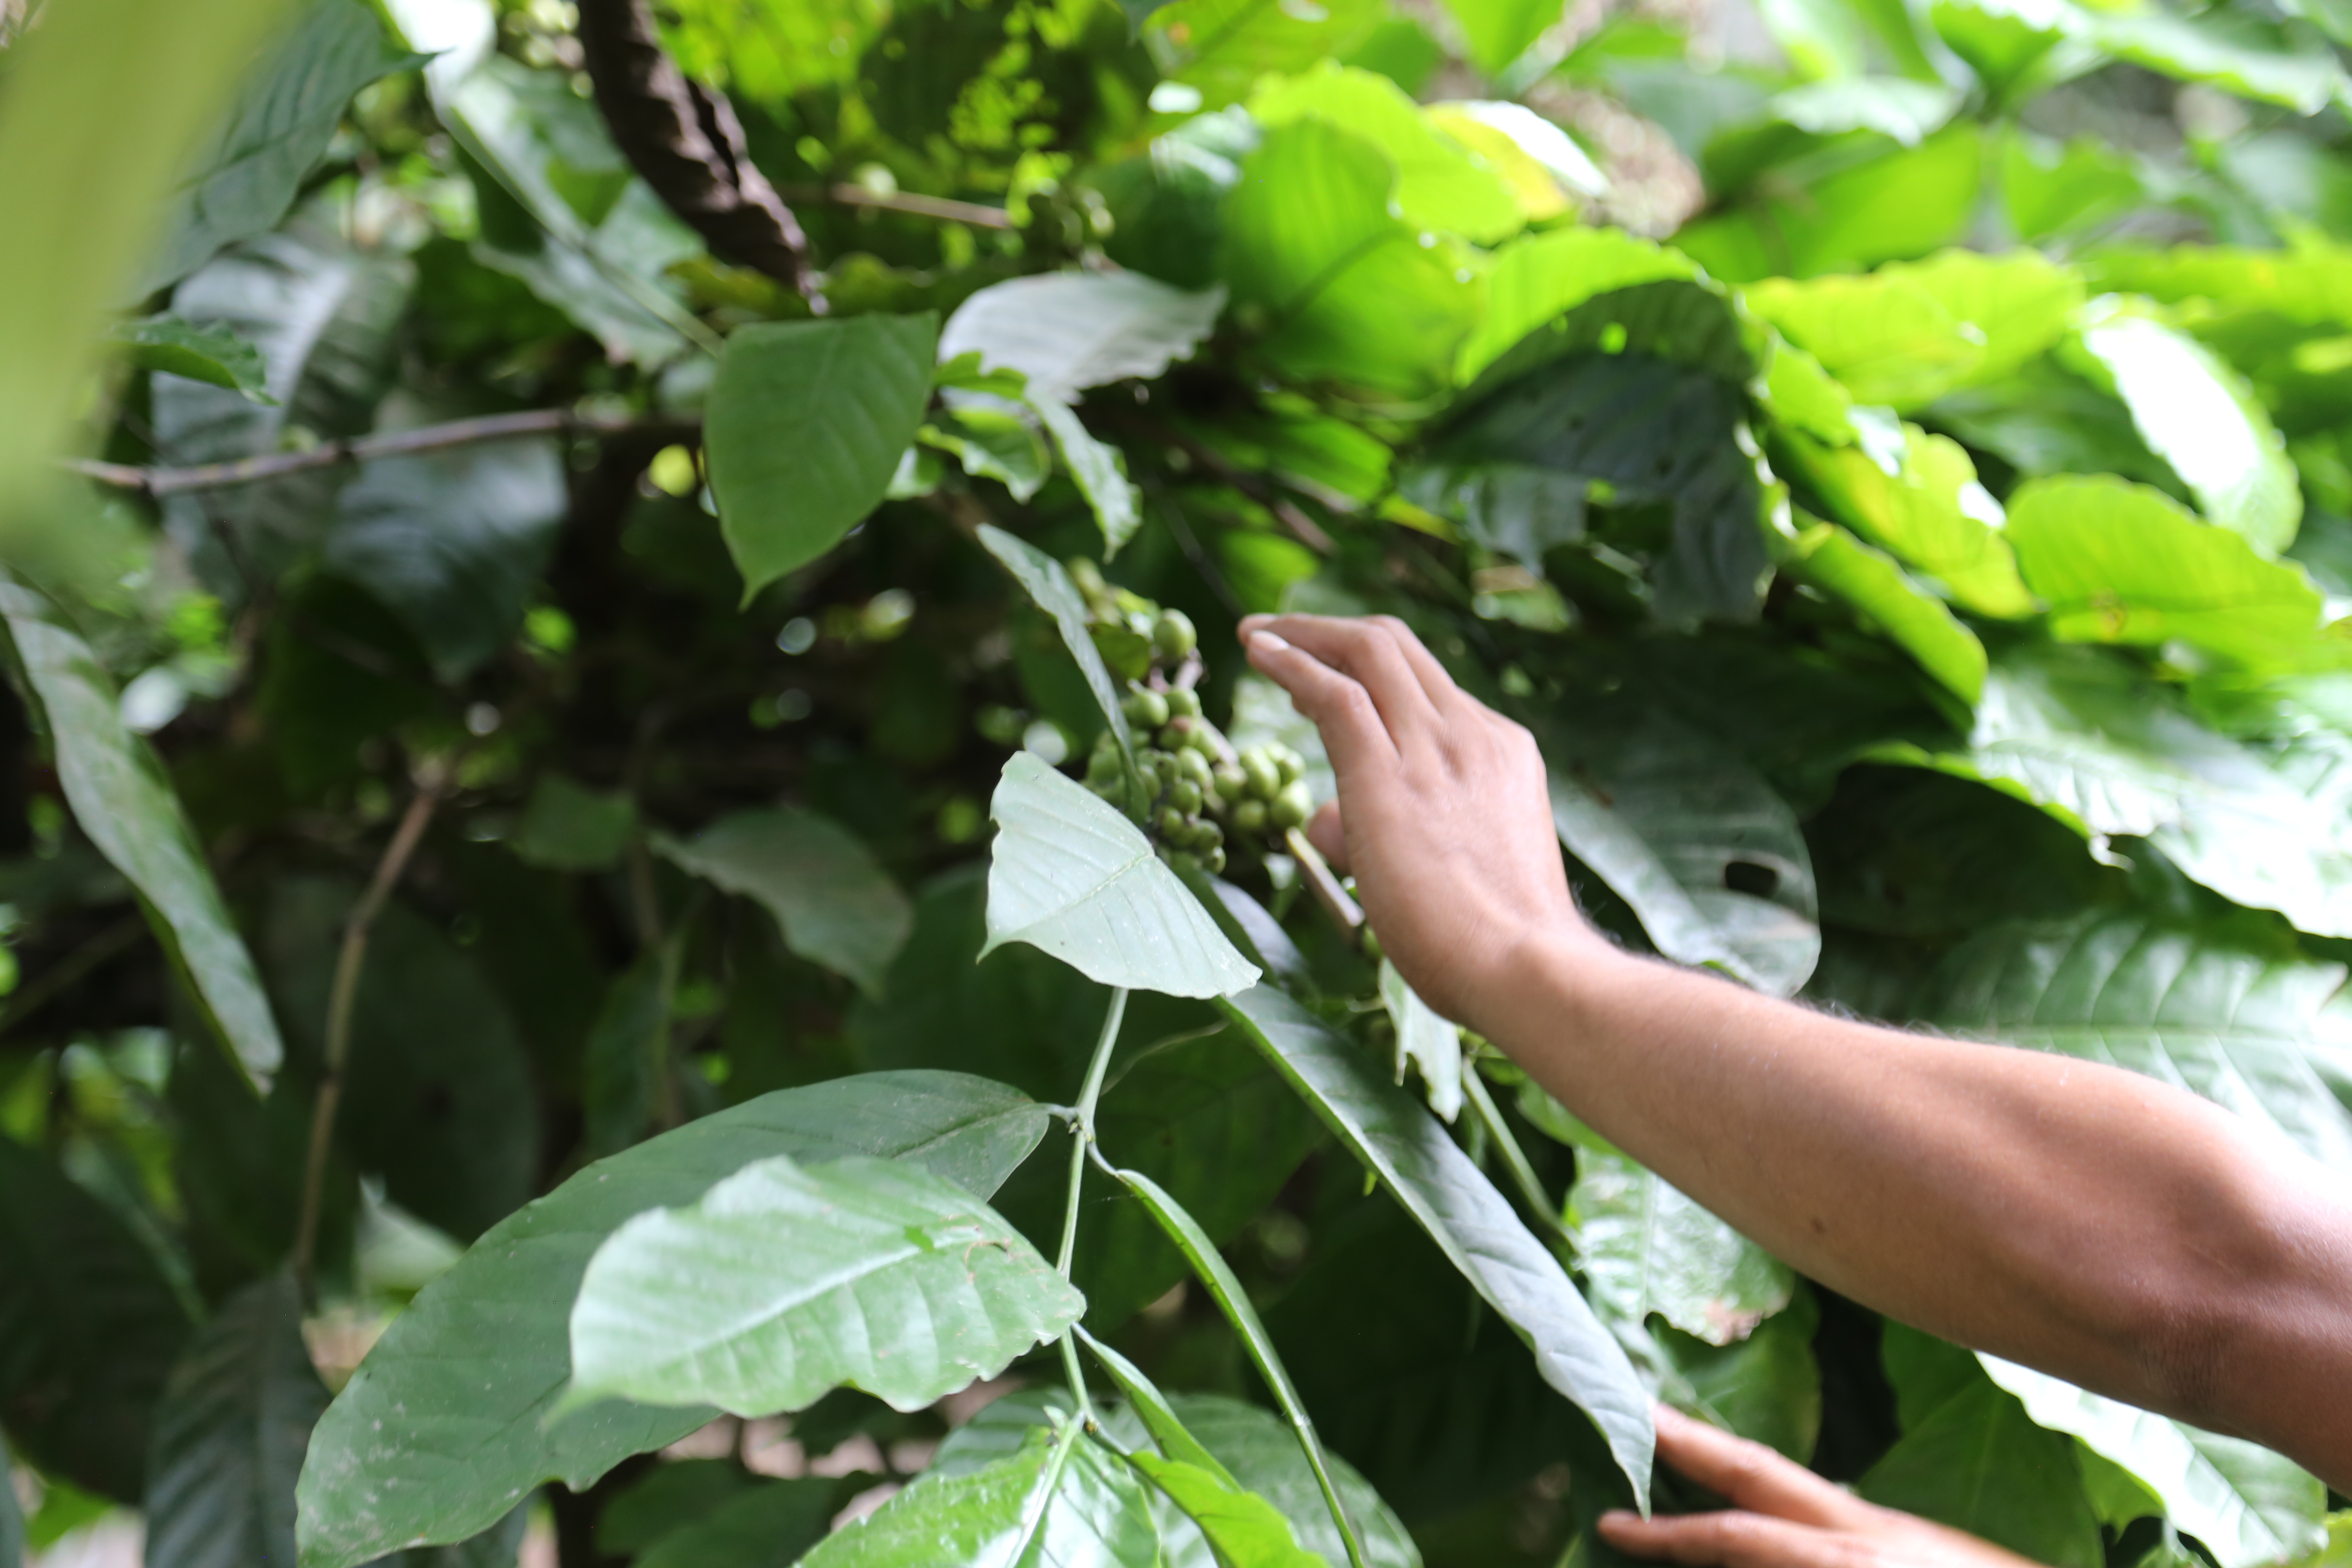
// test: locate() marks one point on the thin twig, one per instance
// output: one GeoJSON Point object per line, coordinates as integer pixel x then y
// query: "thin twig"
{"type": "Point", "coordinates": [1082, 1141]}
{"type": "Point", "coordinates": [1285, 511]}
{"type": "Point", "coordinates": [70, 969]}
{"type": "Point", "coordinates": [1344, 911]}
{"type": "Point", "coordinates": [1489, 1116]}
{"type": "Point", "coordinates": [432, 783]}
{"type": "Point", "coordinates": [944, 208]}
{"type": "Point", "coordinates": [161, 482]}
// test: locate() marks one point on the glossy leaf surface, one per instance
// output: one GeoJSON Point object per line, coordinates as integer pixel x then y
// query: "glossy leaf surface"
{"type": "Point", "coordinates": [835, 904]}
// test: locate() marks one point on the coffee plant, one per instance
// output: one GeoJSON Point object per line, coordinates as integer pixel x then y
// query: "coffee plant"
{"type": "Point", "coordinates": [646, 904]}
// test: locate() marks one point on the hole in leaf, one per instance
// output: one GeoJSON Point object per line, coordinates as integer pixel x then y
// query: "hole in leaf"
{"type": "Point", "coordinates": [1748, 878]}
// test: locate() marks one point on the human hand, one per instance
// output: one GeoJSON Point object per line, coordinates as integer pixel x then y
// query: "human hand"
{"type": "Point", "coordinates": [1442, 813]}
{"type": "Point", "coordinates": [1782, 1516]}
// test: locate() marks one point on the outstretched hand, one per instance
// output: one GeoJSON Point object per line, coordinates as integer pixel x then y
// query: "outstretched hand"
{"type": "Point", "coordinates": [1443, 815]}
{"type": "Point", "coordinates": [1782, 1516]}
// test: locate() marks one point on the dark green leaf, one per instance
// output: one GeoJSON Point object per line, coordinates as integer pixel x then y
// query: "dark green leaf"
{"type": "Point", "coordinates": [246, 172]}
{"type": "Point", "coordinates": [1050, 589]}
{"type": "Point", "coordinates": [1071, 875]}
{"type": "Point", "coordinates": [670, 1497]}
{"type": "Point", "coordinates": [627, 1052]}
{"type": "Point", "coordinates": [125, 802]}
{"type": "Point", "coordinates": [1978, 1463]}
{"type": "Point", "coordinates": [1767, 1387]}
{"type": "Point", "coordinates": [1264, 1456]}
{"type": "Point", "coordinates": [1099, 471]}
{"type": "Point", "coordinates": [807, 422]}
{"type": "Point", "coordinates": [768, 1526]}
{"type": "Point", "coordinates": [1647, 1248]}
{"type": "Point", "coordinates": [88, 1330]}
{"type": "Point", "coordinates": [835, 903]}
{"type": "Point", "coordinates": [230, 1434]}
{"type": "Point", "coordinates": [1470, 1221]}
{"type": "Point", "coordinates": [568, 826]}
{"type": "Point", "coordinates": [212, 354]}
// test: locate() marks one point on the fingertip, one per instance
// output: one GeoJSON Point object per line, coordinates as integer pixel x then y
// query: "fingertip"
{"type": "Point", "coordinates": [1617, 1519]}
{"type": "Point", "coordinates": [1263, 641]}
{"type": "Point", "coordinates": [1252, 624]}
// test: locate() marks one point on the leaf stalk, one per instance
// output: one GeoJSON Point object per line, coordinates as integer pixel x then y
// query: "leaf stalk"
{"type": "Point", "coordinates": [1082, 1140]}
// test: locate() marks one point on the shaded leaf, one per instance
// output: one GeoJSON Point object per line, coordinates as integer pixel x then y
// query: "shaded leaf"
{"type": "Point", "coordinates": [568, 826]}
{"type": "Point", "coordinates": [1066, 332]}
{"type": "Point", "coordinates": [993, 444]}
{"type": "Point", "coordinates": [2247, 1505]}
{"type": "Point", "coordinates": [807, 425]}
{"type": "Point", "coordinates": [769, 1525]}
{"type": "Point", "coordinates": [1767, 1387]}
{"type": "Point", "coordinates": [1472, 1223]}
{"type": "Point", "coordinates": [246, 173]}
{"type": "Point", "coordinates": [212, 354]}
{"type": "Point", "coordinates": [443, 1420]}
{"type": "Point", "coordinates": [1099, 471]}
{"type": "Point", "coordinates": [1978, 1462]}
{"type": "Point", "coordinates": [1264, 1458]}
{"type": "Point", "coordinates": [1647, 1248]}
{"type": "Point", "coordinates": [230, 1434]}
{"type": "Point", "coordinates": [1836, 561]}
{"type": "Point", "coordinates": [1050, 589]}
{"type": "Point", "coordinates": [896, 1282]}
{"type": "Point", "coordinates": [1429, 1042]}
{"type": "Point", "coordinates": [1158, 1418]}
{"type": "Point", "coordinates": [1071, 875]}
{"type": "Point", "coordinates": [831, 898]}
{"type": "Point", "coordinates": [125, 804]}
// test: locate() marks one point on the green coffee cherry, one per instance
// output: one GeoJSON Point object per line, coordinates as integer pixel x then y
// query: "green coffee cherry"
{"type": "Point", "coordinates": [1176, 734]}
{"type": "Point", "coordinates": [1213, 862]}
{"type": "Point", "coordinates": [1372, 944]}
{"type": "Point", "coordinates": [1088, 576]}
{"type": "Point", "coordinates": [1193, 765]}
{"type": "Point", "coordinates": [1291, 766]}
{"type": "Point", "coordinates": [1228, 781]}
{"type": "Point", "coordinates": [1145, 709]}
{"type": "Point", "coordinates": [1184, 796]}
{"type": "Point", "coordinates": [1173, 636]}
{"type": "Point", "coordinates": [1249, 816]}
{"type": "Point", "coordinates": [1180, 860]}
{"type": "Point", "coordinates": [1182, 703]}
{"type": "Point", "coordinates": [1207, 836]}
{"type": "Point", "coordinates": [1264, 777]}
{"type": "Point", "coordinates": [1168, 824]}
{"type": "Point", "coordinates": [1292, 807]}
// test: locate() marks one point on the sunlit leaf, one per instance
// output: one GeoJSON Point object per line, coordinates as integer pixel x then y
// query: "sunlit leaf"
{"type": "Point", "coordinates": [1920, 502]}
{"type": "Point", "coordinates": [1071, 875]}
{"type": "Point", "coordinates": [895, 1282]}
{"type": "Point", "coordinates": [1066, 332]}
{"type": "Point", "coordinates": [1242, 1528]}
{"type": "Point", "coordinates": [1837, 563]}
{"type": "Point", "coordinates": [439, 1434]}
{"type": "Point", "coordinates": [832, 899]}
{"type": "Point", "coordinates": [125, 801]}
{"type": "Point", "coordinates": [807, 425]}
{"type": "Point", "coordinates": [1886, 338]}
{"type": "Point", "coordinates": [1540, 276]}
{"type": "Point", "coordinates": [1438, 183]}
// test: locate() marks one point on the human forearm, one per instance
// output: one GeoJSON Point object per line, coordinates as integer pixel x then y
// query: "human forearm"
{"type": "Point", "coordinates": [2098, 1225]}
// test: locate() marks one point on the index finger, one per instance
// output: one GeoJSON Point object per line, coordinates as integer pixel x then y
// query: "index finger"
{"type": "Point", "coordinates": [1752, 1475]}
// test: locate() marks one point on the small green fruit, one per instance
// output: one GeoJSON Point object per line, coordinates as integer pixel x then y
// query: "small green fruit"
{"type": "Point", "coordinates": [1213, 862]}
{"type": "Point", "coordinates": [1249, 816]}
{"type": "Point", "coordinates": [1290, 764]}
{"type": "Point", "coordinates": [1145, 709]}
{"type": "Point", "coordinates": [1229, 781]}
{"type": "Point", "coordinates": [1207, 836]}
{"type": "Point", "coordinates": [1184, 796]}
{"type": "Point", "coordinates": [1170, 825]}
{"type": "Point", "coordinates": [1372, 944]}
{"type": "Point", "coordinates": [1173, 636]}
{"type": "Point", "coordinates": [1177, 733]}
{"type": "Point", "coordinates": [1180, 860]}
{"type": "Point", "coordinates": [1183, 703]}
{"type": "Point", "coordinates": [1192, 764]}
{"type": "Point", "coordinates": [1265, 778]}
{"type": "Point", "coordinates": [1292, 807]}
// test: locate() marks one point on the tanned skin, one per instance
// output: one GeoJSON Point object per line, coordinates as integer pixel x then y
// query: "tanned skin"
{"type": "Point", "coordinates": [2098, 1226]}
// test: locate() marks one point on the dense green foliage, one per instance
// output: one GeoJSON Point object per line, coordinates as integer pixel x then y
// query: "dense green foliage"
{"type": "Point", "coordinates": [519, 892]}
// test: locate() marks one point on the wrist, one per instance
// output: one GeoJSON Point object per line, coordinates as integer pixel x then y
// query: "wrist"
{"type": "Point", "coordinates": [1545, 977]}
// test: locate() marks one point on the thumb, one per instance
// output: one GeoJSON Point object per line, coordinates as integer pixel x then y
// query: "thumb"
{"type": "Point", "coordinates": [1330, 838]}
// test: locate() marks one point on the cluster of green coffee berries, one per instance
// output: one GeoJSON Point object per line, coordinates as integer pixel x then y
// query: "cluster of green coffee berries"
{"type": "Point", "coordinates": [1200, 788]}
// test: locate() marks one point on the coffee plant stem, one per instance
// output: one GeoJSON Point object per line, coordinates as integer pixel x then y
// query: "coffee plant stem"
{"type": "Point", "coordinates": [1515, 1159]}
{"type": "Point", "coordinates": [1082, 1138]}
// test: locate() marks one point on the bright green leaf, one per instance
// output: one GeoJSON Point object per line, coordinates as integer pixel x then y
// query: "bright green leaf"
{"type": "Point", "coordinates": [1438, 183]}
{"type": "Point", "coordinates": [831, 898]}
{"type": "Point", "coordinates": [1541, 276]}
{"type": "Point", "coordinates": [1921, 503]}
{"type": "Point", "coordinates": [1539, 163]}
{"type": "Point", "coordinates": [125, 801]}
{"type": "Point", "coordinates": [1071, 875]}
{"type": "Point", "coordinates": [2019, 303]}
{"type": "Point", "coordinates": [1500, 31]}
{"type": "Point", "coordinates": [1886, 338]}
{"type": "Point", "coordinates": [1647, 1248]}
{"type": "Point", "coordinates": [1905, 203]}
{"type": "Point", "coordinates": [212, 354]}
{"type": "Point", "coordinates": [1905, 113]}
{"type": "Point", "coordinates": [439, 1433]}
{"type": "Point", "coordinates": [1472, 1223]}
{"type": "Point", "coordinates": [1223, 47]}
{"type": "Point", "coordinates": [1265, 1460]}
{"type": "Point", "coordinates": [1067, 332]}
{"type": "Point", "coordinates": [1837, 563]}
{"type": "Point", "coordinates": [2119, 562]}
{"type": "Point", "coordinates": [992, 444]}
{"type": "Point", "coordinates": [894, 1281]}
{"type": "Point", "coordinates": [1242, 1528]}
{"type": "Point", "coordinates": [1100, 472]}
{"type": "Point", "coordinates": [807, 425]}
{"type": "Point", "coordinates": [2224, 50]}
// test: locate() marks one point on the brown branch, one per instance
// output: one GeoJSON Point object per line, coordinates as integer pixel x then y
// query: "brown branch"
{"type": "Point", "coordinates": [161, 482]}
{"type": "Point", "coordinates": [907, 202]}
{"type": "Point", "coordinates": [687, 142]}
{"type": "Point", "coordinates": [432, 780]}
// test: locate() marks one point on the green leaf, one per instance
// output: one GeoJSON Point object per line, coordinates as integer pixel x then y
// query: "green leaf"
{"type": "Point", "coordinates": [1766, 1387]}
{"type": "Point", "coordinates": [1067, 332]}
{"type": "Point", "coordinates": [1223, 47]}
{"type": "Point", "coordinates": [769, 1525]}
{"type": "Point", "coordinates": [1470, 1221]}
{"type": "Point", "coordinates": [2256, 1030]}
{"type": "Point", "coordinates": [230, 1433]}
{"type": "Point", "coordinates": [1905, 203]}
{"type": "Point", "coordinates": [88, 1330]}
{"type": "Point", "coordinates": [1265, 1460]}
{"type": "Point", "coordinates": [323, 318]}
{"type": "Point", "coordinates": [1439, 185]}
{"type": "Point", "coordinates": [1233, 1301]}
{"type": "Point", "coordinates": [1242, 1529]}
{"type": "Point", "coordinates": [1071, 875]}
{"type": "Point", "coordinates": [1428, 1042]}
{"type": "Point", "coordinates": [125, 801]}
{"type": "Point", "coordinates": [1050, 589]}
{"type": "Point", "coordinates": [2122, 564]}
{"type": "Point", "coordinates": [2077, 735]}
{"type": "Point", "coordinates": [439, 1433]}
{"type": "Point", "coordinates": [1837, 563]}
{"type": "Point", "coordinates": [1099, 471]}
{"type": "Point", "coordinates": [2019, 303]}
{"type": "Point", "coordinates": [454, 543]}
{"type": "Point", "coordinates": [1060, 1499]}
{"type": "Point", "coordinates": [1919, 502]}
{"type": "Point", "coordinates": [626, 1052]}
{"type": "Point", "coordinates": [2201, 417]}
{"type": "Point", "coordinates": [894, 1281]}
{"type": "Point", "coordinates": [1905, 112]}
{"type": "Point", "coordinates": [2224, 50]}
{"type": "Point", "coordinates": [1540, 277]}
{"type": "Point", "coordinates": [2247, 1505]}
{"type": "Point", "coordinates": [1673, 823]}
{"type": "Point", "coordinates": [830, 897]}
{"type": "Point", "coordinates": [668, 1499]}
{"type": "Point", "coordinates": [2049, 190]}
{"type": "Point", "coordinates": [808, 421]}
{"type": "Point", "coordinates": [212, 354]}
{"type": "Point", "coordinates": [1340, 288]}
{"type": "Point", "coordinates": [12, 1519]}
{"type": "Point", "coordinates": [568, 826]}
{"type": "Point", "coordinates": [1500, 31]}
{"type": "Point", "coordinates": [246, 172]}
{"type": "Point", "coordinates": [437, 1096]}
{"type": "Point", "coordinates": [1888, 340]}
{"type": "Point", "coordinates": [1978, 1463]}
{"type": "Point", "coordinates": [1647, 1248]}
{"type": "Point", "coordinates": [991, 444]}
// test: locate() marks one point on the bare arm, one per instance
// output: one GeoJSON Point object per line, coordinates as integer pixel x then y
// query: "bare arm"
{"type": "Point", "coordinates": [2106, 1228]}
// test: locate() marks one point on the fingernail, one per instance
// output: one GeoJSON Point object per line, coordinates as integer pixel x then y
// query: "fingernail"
{"type": "Point", "coordinates": [1618, 1518]}
{"type": "Point", "coordinates": [1269, 641]}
